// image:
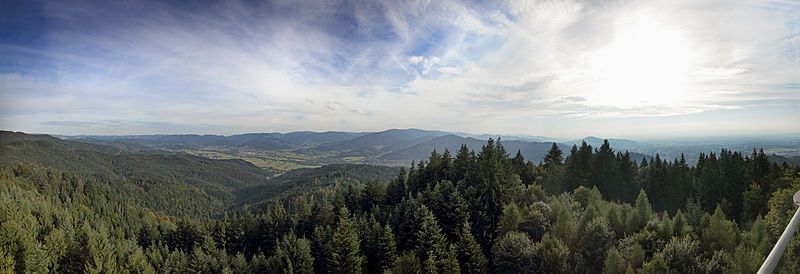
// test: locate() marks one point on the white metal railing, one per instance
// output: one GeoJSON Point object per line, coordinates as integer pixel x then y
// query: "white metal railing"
{"type": "Point", "coordinates": [775, 255]}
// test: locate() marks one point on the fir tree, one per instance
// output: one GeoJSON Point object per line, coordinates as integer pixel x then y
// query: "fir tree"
{"type": "Point", "coordinates": [345, 254]}
{"type": "Point", "coordinates": [469, 253]}
{"type": "Point", "coordinates": [553, 158]}
{"type": "Point", "coordinates": [430, 242]}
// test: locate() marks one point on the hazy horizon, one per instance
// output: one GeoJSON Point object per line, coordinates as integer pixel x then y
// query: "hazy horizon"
{"type": "Point", "coordinates": [790, 135]}
{"type": "Point", "coordinates": [561, 69]}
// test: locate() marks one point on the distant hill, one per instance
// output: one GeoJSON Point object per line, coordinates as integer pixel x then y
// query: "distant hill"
{"type": "Point", "coordinates": [156, 179]}
{"type": "Point", "coordinates": [286, 151]}
{"type": "Point", "coordinates": [310, 138]}
{"type": "Point", "coordinates": [252, 140]}
{"type": "Point", "coordinates": [377, 143]}
{"type": "Point", "coordinates": [177, 183]}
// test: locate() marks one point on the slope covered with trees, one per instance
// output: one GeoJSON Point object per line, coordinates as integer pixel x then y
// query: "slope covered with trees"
{"type": "Point", "coordinates": [589, 210]}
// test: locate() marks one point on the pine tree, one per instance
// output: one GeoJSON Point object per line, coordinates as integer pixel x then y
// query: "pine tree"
{"type": "Point", "coordinates": [679, 225]}
{"type": "Point", "coordinates": [292, 255]}
{"type": "Point", "coordinates": [430, 242]}
{"type": "Point", "coordinates": [102, 257]}
{"type": "Point", "coordinates": [604, 167]}
{"type": "Point", "coordinates": [6, 262]}
{"type": "Point", "coordinates": [469, 253]}
{"type": "Point", "coordinates": [396, 189]}
{"type": "Point", "coordinates": [553, 158]}
{"type": "Point", "coordinates": [449, 207]}
{"type": "Point", "coordinates": [463, 166]}
{"type": "Point", "coordinates": [614, 263]}
{"type": "Point", "coordinates": [37, 259]}
{"type": "Point", "coordinates": [510, 220]}
{"type": "Point", "coordinates": [449, 263]}
{"type": "Point", "coordinates": [321, 248]}
{"type": "Point", "coordinates": [345, 254]}
{"type": "Point", "coordinates": [720, 234]}
{"type": "Point", "coordinates": [553, 254]}
{"type": "Point", "coordinates": [405, 223]}
{"type": "Point", "coordinates": [408, 262]}
{"type": "Point", "coordinates": [641, 213]}
{"type": "Point", "coordinates": [386, 250]}
{"type": "Point", "coordinates": [494, 193]}
{"type": "Point", "coordinates": [595, 239]}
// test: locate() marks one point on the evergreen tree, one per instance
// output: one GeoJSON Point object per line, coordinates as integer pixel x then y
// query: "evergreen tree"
{"type": "Point", "coordinates": [497, 183]}
{"type": "Point", "coordinates": [469, 253]}
{"type": "Point", "coordinates": [522, 169]}
{"type": "Point", "coordinates": [321, 248]}
{"type": "Point", "coordinates": [553, 255]}
{"type": "Point", "coordinates": [292, 255]}
{"type": "Point", "coordinates": [604, 167]}
{"type": "Point", "coordinates": [614, 263]}
{"type": "Point", "coordinates": [682, 255]}
{"type": "Point", "coordinates": [386, 251]}
{"type": "Point", "coordinates": [102, 257]}
{"type": "Point", "coordinates": [396, 189]}
{"type": "Point", "coordinates": [430, 242]}
{"type": "Point", "coordinates": [345, 254]}
{"type": "Point", "coordinates": [579, 166]}
{"type": "Point", "coordinates": [553, 157]}
{"type": "Point", "coordinates": [720, 234]}
{"type": "Point", "coordinates": [449, 207]}
{"type": "Point", "coordinates": [595, 240]}
{"type": "Point", "coordinates": [514, 253]}
{"type": "Point", "coordinates": [641, 213]}
{"type": "Point", "coordinates": [6, 262]}
{"type": "Point", "coordinates": [464, 165]}
{"type": "Point", "coordinates": [679, 225]}
{"type": "Point", "coordinates": [510, 220]}
{"type": "Point", "coordinates": [408, 262]}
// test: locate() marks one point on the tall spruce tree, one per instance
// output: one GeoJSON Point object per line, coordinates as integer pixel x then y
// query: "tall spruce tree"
{"type": "Point", "coordinates": [469, 252]}
{"type": "Point", "coordinates": [345, 254]}
{"type": "Point", "coordinates": [431, 244]}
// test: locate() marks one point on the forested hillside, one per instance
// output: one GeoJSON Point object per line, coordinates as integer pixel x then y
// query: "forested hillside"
{"type": "Point", "coordinates": [587, 210]}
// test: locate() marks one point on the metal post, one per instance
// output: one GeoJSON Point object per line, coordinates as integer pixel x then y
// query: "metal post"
{"type": "Point", "coordinates": [775, 255]}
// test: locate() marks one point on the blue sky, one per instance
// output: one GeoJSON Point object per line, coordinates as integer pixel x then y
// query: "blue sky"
{"type": "Point", "coordinates": [553, 68]}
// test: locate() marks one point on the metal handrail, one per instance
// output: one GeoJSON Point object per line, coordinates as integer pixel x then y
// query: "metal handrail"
{"type": "Point", "coordinates": [775, 255]}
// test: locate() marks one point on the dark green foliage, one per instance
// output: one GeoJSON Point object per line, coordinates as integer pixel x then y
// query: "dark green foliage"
{"type": "Point", "coordinates": [510, 220]}
{"type": "Point", "coordinates": [720, 234]}
{"type": "Point", "coordinates": [553, 255]}
{"type": "Point", "coordinates": [473, 213]}
{"type": "Point", "coordinates": [407, 263]}
{"type": "Point", "coordinates": [595, 239]}
{"type": "Point", "coordinates": [449, 207]}
{"type": "Point", "coordinates": [553, 157]}
{"type": "Point", "coordinates": [514, 252]}
{"type": "Point", "coordinates": [386, 251]}
{"type": "Point", "coordinates": [431, 245]}
{"type": "Point", "coordinates": [469, 253]}
{"type": "Point", "coordinates": [292, 255]}
{"type": "Point", "coordinates": [682, 255]}
{"type": "Point", "coordinates": [345, 254]}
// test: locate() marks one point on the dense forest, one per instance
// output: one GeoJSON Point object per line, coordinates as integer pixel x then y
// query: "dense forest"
{"type": "Point", "coordinates": [589, 210]}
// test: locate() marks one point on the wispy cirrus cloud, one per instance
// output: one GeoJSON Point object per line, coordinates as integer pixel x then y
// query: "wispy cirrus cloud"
{"type": "Point", "coordinates": [533, 67]}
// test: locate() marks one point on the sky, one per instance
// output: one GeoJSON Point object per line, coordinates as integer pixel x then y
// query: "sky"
{"type": "Point", "coordinates": [550, 68]}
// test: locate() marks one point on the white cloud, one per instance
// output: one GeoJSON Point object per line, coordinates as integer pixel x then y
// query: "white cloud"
{"type": "Point", "coordinates": [433, 64]}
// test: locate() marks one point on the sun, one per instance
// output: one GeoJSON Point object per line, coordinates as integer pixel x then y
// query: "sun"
{"type": "Point", "coordinates": [645, 64]}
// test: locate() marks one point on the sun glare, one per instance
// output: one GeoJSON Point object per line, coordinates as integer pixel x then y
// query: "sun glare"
{"type": "Point", "coordinates": [645, 64]}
